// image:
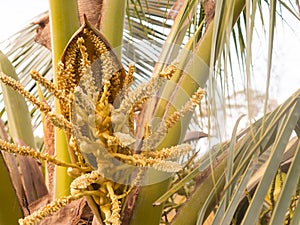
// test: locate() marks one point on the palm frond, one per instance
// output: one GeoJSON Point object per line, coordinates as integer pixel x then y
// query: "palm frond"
{"type": "Point", "coordinates": [278, 127]}
{"type": "Point", "coordinates": [26, 55]}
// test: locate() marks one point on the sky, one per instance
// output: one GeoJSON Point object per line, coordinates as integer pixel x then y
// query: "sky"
{"type": "Point", "coordinates": [285, 72]}
{"type": "Point", "coordinates": [14, 14]}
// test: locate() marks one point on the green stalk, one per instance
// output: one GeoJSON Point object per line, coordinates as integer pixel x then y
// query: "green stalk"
{"type": "Point", "coordinates": [19, 120]}
{"type": "Point", "coordinates": [11, 211]}
{"type": "Point", "coordinates": [64, 22]}
{"type": "Point", "coordinates": [194, 76]}
{"type": "Point", "coordinates": [112, 23]}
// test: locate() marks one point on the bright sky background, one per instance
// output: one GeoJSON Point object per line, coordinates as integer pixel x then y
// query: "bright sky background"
{"type": "Point", "coordinates": [14, 14]}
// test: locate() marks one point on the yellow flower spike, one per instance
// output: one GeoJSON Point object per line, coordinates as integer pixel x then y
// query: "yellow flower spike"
{"type": "Point", "coordinates": [132, 111]}
{"type": "Point", "coordinates": [75, 149]}
{"type": "Point", "coordinates": [48, 85]}
{"type": "Point", "coordinates": [129, 77]}
{"type": "Point", "coordinates": [168, 71]}
{"type": "Point", "coordinates": [85, 62]}
{"type": "Point", "coordinates": [123, 116]}
{"type": "Point", "coordinates": [166, 166]}
{"type": "Point", "coordinates": [114, 218]}
{"type": "Point", "coordinates": [174, 152]}
{"type": "Point", "coordinates": [143, 161]}
{"type": "Point", "coordinates": [101, 47]}
{"type": "Point", "coordinates": [28, 151]}
{"type": "Point", "coordinates": [130, 159]}
{"type": "Point", "coordinates": [108, 69]}
{"type": "Point", "coordinates": [189, 106]}
{"type": "Point", "coordinates": [16, 85]}
{"type": "Point", "coordinates": [131, 121]}
{"type": "Point", "coordinates": [53, 207]}
{"type": "Point", "coordinates": [59, 121]}
{"type": "Point", "coordinates": [47, 210]}
{"type": "Point", "coordinates": [143, 91]}
{"type": "Point", "coordinates": [172, 119]}
{"type": "Point", "coordinates": [81, 183]}
{"type": "Point", "coordinates": [105, 94]}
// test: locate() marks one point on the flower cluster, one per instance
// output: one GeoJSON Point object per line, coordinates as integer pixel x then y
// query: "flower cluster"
{"type": "Point", "coordinates": [99, 117]}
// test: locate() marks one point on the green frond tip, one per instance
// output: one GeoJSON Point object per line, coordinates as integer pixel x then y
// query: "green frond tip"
{"type": "Point", "coordinates": [19, 120]}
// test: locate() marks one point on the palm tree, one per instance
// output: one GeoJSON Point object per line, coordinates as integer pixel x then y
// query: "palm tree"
{"type": "Point", "coordinates": [250, 179]}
